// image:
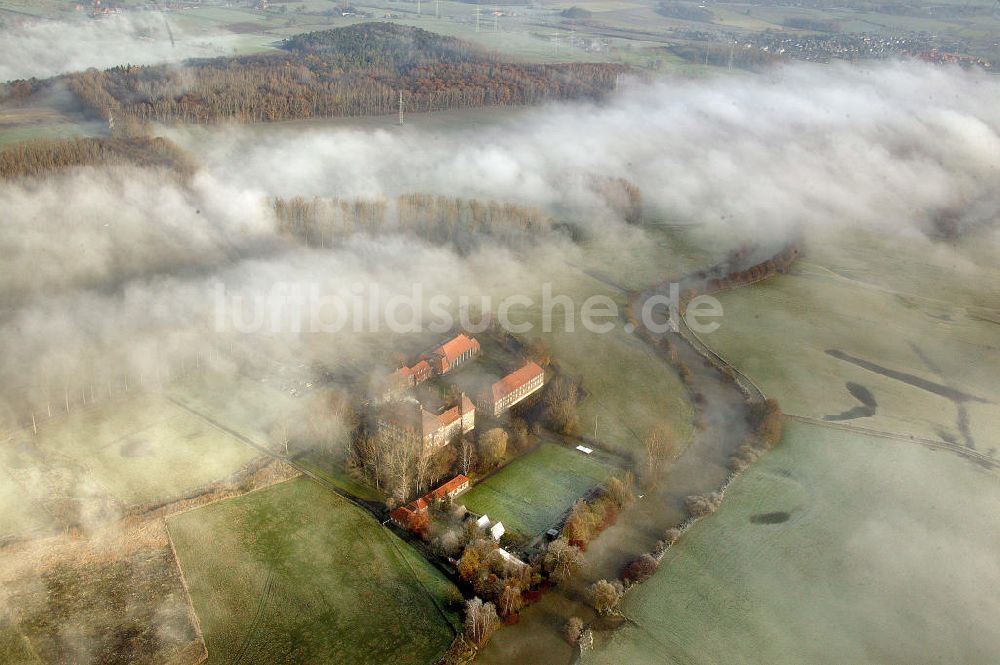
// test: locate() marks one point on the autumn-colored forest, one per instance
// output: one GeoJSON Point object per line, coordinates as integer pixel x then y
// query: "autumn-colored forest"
{"type": "Point", "coordinates": [351, 71]}
{"type": "Point", "coordinates": [39, 157]}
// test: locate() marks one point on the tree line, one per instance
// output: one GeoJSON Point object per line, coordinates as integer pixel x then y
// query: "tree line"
{"type": "Point", "coordinates": [462, 223]}
{"type": "Point", "coordinates": [352, 71]}
{"type": "Point", "coordinates": [41, 156]}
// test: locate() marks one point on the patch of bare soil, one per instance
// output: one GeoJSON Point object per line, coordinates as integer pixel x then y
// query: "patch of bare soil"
{"type": "Point", "coordinates": [114, 593]}
{"type": "Point", "coordinates": [113, 597]}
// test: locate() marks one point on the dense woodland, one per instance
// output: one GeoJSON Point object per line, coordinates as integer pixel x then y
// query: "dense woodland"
{"type": "Point", "coordinates": [351, 71]}
{"type": "Point", "coordinates": [34, 158]}
{"type": "Point", "coordinates": [461, 223]}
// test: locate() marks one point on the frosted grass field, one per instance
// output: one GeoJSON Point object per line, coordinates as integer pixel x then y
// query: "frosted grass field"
{"type": "Point", "coordinates": [914, 312]}
{"type": "Point", "coordinates": [834, 548]}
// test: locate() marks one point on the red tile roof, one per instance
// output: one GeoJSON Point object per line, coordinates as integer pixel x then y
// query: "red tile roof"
{"type": "Point", "coordinates": [455, 412]}
{"type": "Point", "coordinates": [456, 346]}
{"type": "Point", "coordinates": [450, 486]}
{"type": "Point", "coordinates": [412, 516]}
{"type": "Point", "coordinates": [515, 380]}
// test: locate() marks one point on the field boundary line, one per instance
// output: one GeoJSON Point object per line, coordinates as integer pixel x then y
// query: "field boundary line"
{"type": "Point", "coordinates": [714, 357]}
{"type": "Point", "coordinates": [322, 482]}
{"type": "Point", "coordinates": [305, 471]}
{"type": "Point", "coordinates": [183, 511]}
{"type": "Point", "coordinates": [969, 453]}
{"type": "Point", "coordinates": [823, 271]}
{"type": "Point", "coordinates": [187, 591]}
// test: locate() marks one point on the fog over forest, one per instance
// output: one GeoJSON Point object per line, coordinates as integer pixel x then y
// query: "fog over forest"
{"type": "Point", "coordinates": [804, 145]}
{"type": "Point", "coordinates": [113, 271]}
{"type": "Point", "coordinates": [41, 48]}
{"type": "Point", "coordinates": [113, 277]}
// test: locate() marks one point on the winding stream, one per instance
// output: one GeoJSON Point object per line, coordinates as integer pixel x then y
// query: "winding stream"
{"type": "Point", "coordinates": [701, 468]}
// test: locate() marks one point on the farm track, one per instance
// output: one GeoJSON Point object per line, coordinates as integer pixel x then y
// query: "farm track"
{"type": "Point", "coordinates": [243, 651]}
{"type": "Point", "coordinates": [823, 271]}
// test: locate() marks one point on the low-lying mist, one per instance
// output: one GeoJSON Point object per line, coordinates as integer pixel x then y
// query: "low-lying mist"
{"type": "Point", "coordinates": [117, 268]}
{"type": "Point", "coordinates": [888, 146]}
{"type": "Point", "coordinates": [42, 48]}
{"type": "Point", "coordinates": [109, 275]}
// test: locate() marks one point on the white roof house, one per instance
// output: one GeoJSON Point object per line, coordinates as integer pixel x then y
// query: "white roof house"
{"type": "Point", "coordinates": [497, 530]}
{"type": "Point", "coordinates": [510, 558]}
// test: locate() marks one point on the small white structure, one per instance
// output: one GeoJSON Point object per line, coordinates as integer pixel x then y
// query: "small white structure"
{"type": "Point", "coordinates": [497, 531]}
{"type": "Point", "coordinates": [510, 558]}
{"type": "Point", "coordinates": [585, 450]}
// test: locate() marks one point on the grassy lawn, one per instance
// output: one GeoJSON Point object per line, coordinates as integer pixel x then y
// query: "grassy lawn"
{"type": "Point", "coordinates": [835, 548]}
{"type": "Point", "coordinates": [294, 573]}
{"type": "Point", "coordinates": [239, 403]}
{"type": "Point", "coordinates": [629, 388]}
{"type": "Point", "coordinates": [531, 493]}
{"type": "Point", "coordinates": [57, 130]}
{"type": "Point", "coordinates": [43, 122]}
{"type": "Point", "coordinates": [334, 474]}
{"type": "Point", "coordinates": [140, 449]}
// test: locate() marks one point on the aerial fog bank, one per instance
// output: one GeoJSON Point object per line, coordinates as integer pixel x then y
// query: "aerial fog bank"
{"type": "Point", "coordinates": [45, 48]}
{"type": "Point", "coordinates": [112, 271]}
{"type": "Point", "coordinates": [890, 145]}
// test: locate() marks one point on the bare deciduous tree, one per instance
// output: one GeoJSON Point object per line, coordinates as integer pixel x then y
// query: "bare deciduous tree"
{"type": "Point", "coordinates": [661, 445]}
{"type": "Point", "coordinates": [605, 595]}
{"type": "Point", "coordinates": [562, 560]}
{"type": "Point", "coordinates": [573, 630]}
{"type": "Point", "coordinates": [511, 599]}
{"type": "Point", "coordinates": [493, 446]}
{"type": "Point", "coordinates": [466, 455]}
{"type": "Point", "coordinates": [480, 621]}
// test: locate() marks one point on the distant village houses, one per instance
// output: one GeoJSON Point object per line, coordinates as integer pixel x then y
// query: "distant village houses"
{"type": "Point", "coordinates": [512, 389]}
